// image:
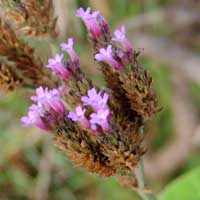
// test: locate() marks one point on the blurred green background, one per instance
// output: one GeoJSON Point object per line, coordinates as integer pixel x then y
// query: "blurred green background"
{"type": "Point", "coordinates": [32, 168]}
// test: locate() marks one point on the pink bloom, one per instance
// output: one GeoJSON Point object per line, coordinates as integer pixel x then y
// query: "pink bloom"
{"type": "Point", "coordinates": [49, 99]}
{"type": "Point", "coordinates": [91, 98]}
{"type": "Point", "coordinates": [41, 98]}
{"type": "Point", "coordinates": [105, 55]}
{"type": "Point", "coordinates": [54, 99]}
{"type": "Point", "coordinates": [34, 117]}
{"type": "Point", "coordinates": [68, 47]}
{"type": "Point", "coordinates": [95, 99]}
{"type": "Point", "coordinates": [79, 115]}
{"type": "Point", "coordinates": [55, 64]}
{"type": "Point", "coordinates": [90, 20]}
{"type": "Point", "coordinates": [120, 36]}
{"type": "Point", "coordinates": [100, 118]}
{"type": "Point", "coordinates": [40, 94]}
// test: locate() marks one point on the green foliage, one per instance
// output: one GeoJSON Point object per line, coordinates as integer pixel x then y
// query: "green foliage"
{"type": "Point", "coordinates": [185, 187]}
{"type": "Point", "coordinates": [112, 189]}
{"type": "Point", "coordinates": [195, 91]}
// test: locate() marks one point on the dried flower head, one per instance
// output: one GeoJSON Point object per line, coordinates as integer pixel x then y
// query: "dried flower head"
{"type": "Point", "coordinates": [32, 17]}
{"type": "Point", "coordinates": [97, 129]}
{"type": "Point", "coordinates": [24, 65]}
{"type": "Point", "coordinates": [8, 78]}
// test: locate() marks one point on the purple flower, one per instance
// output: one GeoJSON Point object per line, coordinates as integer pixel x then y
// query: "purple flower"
{"type": "Point", "coordinates": [40, 94]}
{"type": "Point", "coordinates": [86, 15]}
{"type": "Point", "coordinates": [91, 98]}
{"type": "Point", "coordinates": [79, 115]}
{"type": "Point", "coordinates": [95, 99]}
{"type": "Point", "coordinates": [54, 100]}
{"type": "Point", "coordinates": [100, 118]}
{"type": "Point", "coordinates": [105, 55]}
{"type": "Point", "coordinates": [53, 62]}
{"type": "Point", "coordinates": [34, 117]}
{"type": "Point", "coordinates": [41, 98]}
{"type": "Point", "coordinates": [49, 99]}
{"type": "Point", "coordinates": [120, 36]}
{"type": "Point", "coordinates": [49, 107]}
{"type": "Point", "coordinates": [68, 47]}
{"type": "Point", "coordinates": [58, 68]}
{"type": "Point", "coordinates": [90, 20]}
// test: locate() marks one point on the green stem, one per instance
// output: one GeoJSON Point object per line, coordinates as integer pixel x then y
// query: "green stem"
{"type": "Point", "coordinates": [139, 173]}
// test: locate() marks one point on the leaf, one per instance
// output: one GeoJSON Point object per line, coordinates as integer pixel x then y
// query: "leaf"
{"type": "Point", "coordinates": [185, 187]}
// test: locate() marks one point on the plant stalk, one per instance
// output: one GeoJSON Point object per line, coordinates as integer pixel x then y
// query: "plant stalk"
{"type": "Point", "coordinates": [139, 174]}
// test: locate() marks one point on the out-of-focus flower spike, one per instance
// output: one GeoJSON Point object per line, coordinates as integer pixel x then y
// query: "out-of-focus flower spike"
{"type": "Point", "coordinates": [105, 55]}
{"type": "Point", "coordinates": [79, 115]}
{"type": "Point", "coordinates": [90, 21]}
{"type": "Point", "coordinates": [120, 36]}
{"type": "Point", "coordinates": [26, 69]}
{"type": "Point", "coordinates": [68, 47]}
{"type": "Point", "coordinates": [9, 79]}
{"type": "Point", "coordinates": [58, 68]}
{"type": "Point", "coordinates": [31, 18]}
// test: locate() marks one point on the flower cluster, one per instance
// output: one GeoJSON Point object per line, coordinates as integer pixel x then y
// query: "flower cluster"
{"type": "Point", "coordinates": [48, 105]}
{"type": "Point", "coordinates": [101, 111]}
{"type": "Point", "coordinates": [94, 22]}
{"type": "Point", "coordinates": [99, 130]}
{"type": "Point", "coordinates": [57, 64]}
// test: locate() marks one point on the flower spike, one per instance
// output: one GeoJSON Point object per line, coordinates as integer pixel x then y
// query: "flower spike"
{"type": "Point", "coordinates": [100, 130]}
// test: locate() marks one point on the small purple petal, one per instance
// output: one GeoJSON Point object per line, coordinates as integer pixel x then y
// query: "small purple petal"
{"type": "Point", "coordinates": [68, 47]}
{"type": "Point", "coordinates": [106, 56]}
{"type": "Point", "coordinates": [120, 36]}
{"type": "Point", "coordinates": [95, 99]}
{"type": "Point", "coordinates": [79, 115]}
{"type": "Point", "coordinates": [85, 15]}
{"type": "Point", "coordinates": [100, 118]}
{"type": "Point", "coordinates": [57, 60]}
